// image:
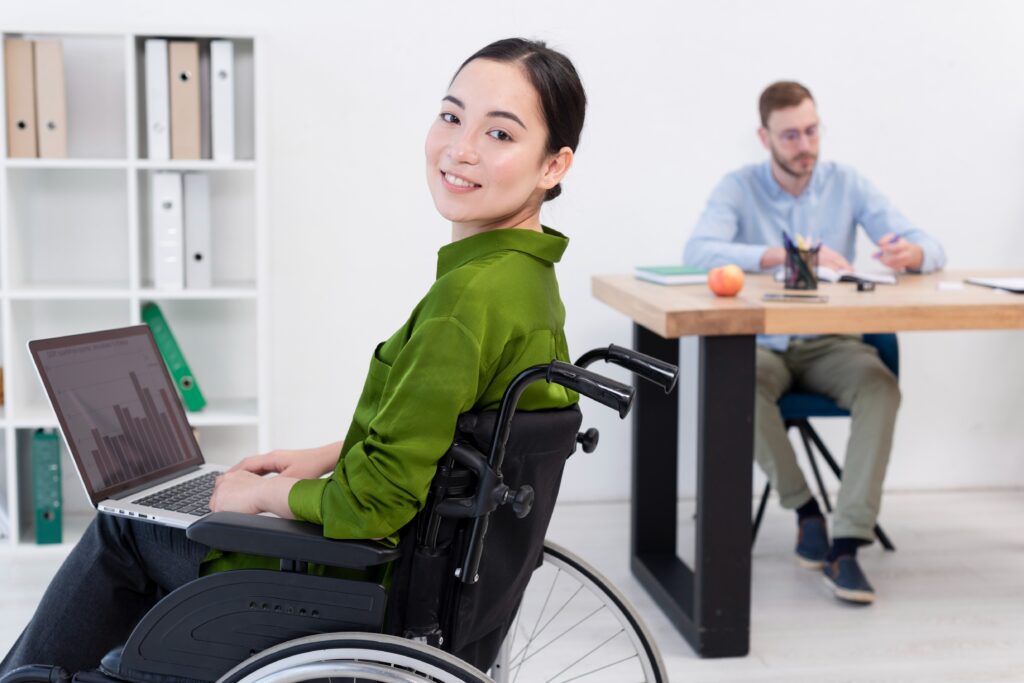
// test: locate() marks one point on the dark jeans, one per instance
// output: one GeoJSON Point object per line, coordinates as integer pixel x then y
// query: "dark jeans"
{"type": "Point", "coordinates": [115, 574]}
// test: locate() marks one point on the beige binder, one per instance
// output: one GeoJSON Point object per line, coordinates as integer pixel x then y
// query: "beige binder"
{"type": "Point", "coordinates": [21, 98]}
{"type": "Point", "coordinates": [51, 106]}
{"type": "Point", "coordinates": [183, 65]}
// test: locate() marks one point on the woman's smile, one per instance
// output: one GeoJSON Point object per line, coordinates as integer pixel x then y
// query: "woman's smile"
{"type": "Point", "coordinates": [456, 183]}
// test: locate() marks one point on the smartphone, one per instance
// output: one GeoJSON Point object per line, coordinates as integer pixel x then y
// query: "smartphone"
{"type": "Point", "coordinates": [796, 298]}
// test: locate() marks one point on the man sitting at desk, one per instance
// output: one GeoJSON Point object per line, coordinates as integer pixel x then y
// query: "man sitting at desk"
{"type": "Point", "coordinates": [743, 224]}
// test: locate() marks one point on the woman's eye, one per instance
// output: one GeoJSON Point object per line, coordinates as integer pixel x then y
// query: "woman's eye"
{"type": "Point", "coordinates": [500, 135]}
{"type": "Point", "coordinates": [448, 117]}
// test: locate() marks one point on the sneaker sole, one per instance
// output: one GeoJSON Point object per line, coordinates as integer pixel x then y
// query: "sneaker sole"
{"type": "Point", "coordinates": [809, 564]}
{"type": "Point", "coordinates": [849, 595]}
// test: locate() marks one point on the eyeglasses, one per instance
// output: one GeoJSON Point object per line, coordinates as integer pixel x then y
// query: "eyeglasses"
{"type": "Point", "coordinates": [792, 135]}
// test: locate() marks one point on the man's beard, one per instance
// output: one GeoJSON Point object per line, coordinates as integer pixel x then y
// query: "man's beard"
{"type": "Point", "coordinates": [791, 171]}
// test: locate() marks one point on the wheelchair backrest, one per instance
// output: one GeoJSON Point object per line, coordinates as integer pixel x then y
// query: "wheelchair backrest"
{"type": "Point", "coordinates": [427, 600]}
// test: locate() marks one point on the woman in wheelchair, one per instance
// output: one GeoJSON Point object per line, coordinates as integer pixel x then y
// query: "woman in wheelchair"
{"type": "Point", "coordinates": [502, 142]}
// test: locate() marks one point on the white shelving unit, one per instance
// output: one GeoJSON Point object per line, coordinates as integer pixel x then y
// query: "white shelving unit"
{"type": "Point", "coordinates": [74, 257]}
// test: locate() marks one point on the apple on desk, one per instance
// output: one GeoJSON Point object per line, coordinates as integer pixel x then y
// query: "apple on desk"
{"type": "Point", "coordinates": [725, 280]}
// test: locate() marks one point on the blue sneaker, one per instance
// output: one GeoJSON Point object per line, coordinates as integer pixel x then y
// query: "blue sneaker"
{"type": "Point", "coordinates": [844, 576]}
{"type": "Point", "coordinates": [812, 543]}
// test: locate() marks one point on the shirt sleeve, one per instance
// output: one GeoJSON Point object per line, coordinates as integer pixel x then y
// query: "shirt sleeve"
{"type": "Point", "coordinates": [879, 217]}
{"type": "Point", "coordinates": [711, 243]}
{"type": "Point", "coordinates": [382, 481]}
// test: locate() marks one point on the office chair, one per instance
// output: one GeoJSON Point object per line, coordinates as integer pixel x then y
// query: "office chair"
{"type": "Point", "coordinates": [797, 407]}
{"type": "Point", "coordinates": [448, 611]}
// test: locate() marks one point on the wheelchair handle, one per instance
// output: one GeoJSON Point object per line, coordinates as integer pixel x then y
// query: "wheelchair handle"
{"type": "Point", "coordinates": [650, 368]}
{"type": "Point", "coordinates": [615, 395]}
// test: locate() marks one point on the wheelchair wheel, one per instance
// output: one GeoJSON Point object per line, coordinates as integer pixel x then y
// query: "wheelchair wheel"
{"type": "Point", "coordinates": [346, 657]}
{"type": "Point", "coordinates": [573, 625]}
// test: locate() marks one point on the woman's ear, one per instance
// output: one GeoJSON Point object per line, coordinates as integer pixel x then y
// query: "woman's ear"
{"type": "Point", "coordinates": [555, 167]}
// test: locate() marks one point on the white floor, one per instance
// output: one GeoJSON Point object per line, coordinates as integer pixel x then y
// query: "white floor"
{"type": "Point", "coordinates": [950, 600]}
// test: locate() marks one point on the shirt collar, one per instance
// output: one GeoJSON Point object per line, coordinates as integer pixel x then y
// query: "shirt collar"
{"type": "Point", "coordinates": [547, 246]}
{"type": "Point", "coordinates": [775, 190]}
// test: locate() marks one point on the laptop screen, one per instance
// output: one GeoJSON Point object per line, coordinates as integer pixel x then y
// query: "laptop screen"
{"type": "Point", "coordinates": [117, 407]}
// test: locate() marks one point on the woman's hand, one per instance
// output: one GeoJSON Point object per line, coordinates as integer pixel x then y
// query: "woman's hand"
{"type": "Point", "coordinates": [241, 491]}
{"type": "Point", "coordinates": [310, 463]}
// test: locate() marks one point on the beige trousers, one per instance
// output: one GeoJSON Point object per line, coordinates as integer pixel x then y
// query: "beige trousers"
{"type": "Point", "coordinates": [851, 373]}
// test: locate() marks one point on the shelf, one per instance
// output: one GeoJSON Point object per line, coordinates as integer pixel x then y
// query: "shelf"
{"type": "Point", "coordinates": [75, 256]}
{"type": "Point", "coordinates": [214, 293]}
{"type": "Point", "coordinates": [229, 412]}
{"type": "Point", "coordinates": [76, 164]}
{"type": "Point", "coordinates": [67, 294]}
{"type": "Point", "coordinates": [242, 293]}
{"type": "Point", "coordinates": [147, 164]}
{"type": "Point", "coordinates": [194, 165]}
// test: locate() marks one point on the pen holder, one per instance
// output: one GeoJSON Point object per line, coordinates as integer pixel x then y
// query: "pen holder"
{"type": "Point", "coordinates": [801, 268]}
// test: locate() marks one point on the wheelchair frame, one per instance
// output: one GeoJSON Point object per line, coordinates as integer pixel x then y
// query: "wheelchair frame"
{"type": "Point", "coordinates": [182, 638]}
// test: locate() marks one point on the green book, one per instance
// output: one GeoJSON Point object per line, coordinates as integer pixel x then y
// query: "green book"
{"type": "Point", "coordinates": [671, 275]}
{"type": "Point", "coordinates": [191, 396]}
{"type": "Point", "coordinates": [46, 493]}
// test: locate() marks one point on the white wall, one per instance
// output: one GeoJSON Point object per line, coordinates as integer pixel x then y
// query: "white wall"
{"type": "Point", "coordinates": [923, 97]}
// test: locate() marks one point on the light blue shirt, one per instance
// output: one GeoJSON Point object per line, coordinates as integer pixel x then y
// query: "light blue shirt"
{"type": "Point", "coordinates": [748, 211]}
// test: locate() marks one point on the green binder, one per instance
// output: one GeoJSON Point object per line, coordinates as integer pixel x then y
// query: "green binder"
{"type": "Point", "coordinates": [46, 495]}
{"type": "Point", "coordinates": [173, 357]}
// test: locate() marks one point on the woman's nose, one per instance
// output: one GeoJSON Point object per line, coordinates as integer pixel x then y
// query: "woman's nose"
{"type": "Point", "coordinates": [463, 151]}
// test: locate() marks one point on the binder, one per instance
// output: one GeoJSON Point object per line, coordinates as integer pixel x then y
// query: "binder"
{"type": "Point", "coordinates": [205, 147]}
{"type": "Point", "coordinates": [222, 96]}
{"type": "Point", "coordinates": [198, 270]}
{"type": "Point", "coordinates": [51, 103]}
{"type": "Point", "coordinates": [183, 63]}
{"type": "Point", "coordinates": [46, 487]}
{"type": "Point", "coordinates": [19, 82]}
{"type": "Point", "coordinates": [191, 396]}
{"type": "Point", "coordinates": [158, 113]}
{"type": "Point", "coordinates": [167, 230]}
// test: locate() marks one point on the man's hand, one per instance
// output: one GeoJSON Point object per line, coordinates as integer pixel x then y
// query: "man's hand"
{"type": "Point", "coordinates": [831, 258]}
{"type": "Point", "coordinates": [898, 253]}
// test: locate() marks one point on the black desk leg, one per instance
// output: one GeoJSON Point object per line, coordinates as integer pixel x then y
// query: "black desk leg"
{"type": "Point", "coordinates": [710, 604]}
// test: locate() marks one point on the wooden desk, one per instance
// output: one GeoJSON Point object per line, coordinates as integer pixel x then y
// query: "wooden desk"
{"type": "Point", "coordinates": [710, 603]}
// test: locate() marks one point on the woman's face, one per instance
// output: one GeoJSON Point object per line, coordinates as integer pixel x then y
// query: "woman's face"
{"type": "Point", "coordinates": [487, 165]}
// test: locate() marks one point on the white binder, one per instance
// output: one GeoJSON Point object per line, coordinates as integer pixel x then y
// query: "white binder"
{"type": "Point", "coordinates": [158, 115]}
{"type": "Point", "coordinates": [166, 230]}
{"type": "Point", "coordinates": [198, 270]}
{"type": "Point", "coordinates": [222, 92]}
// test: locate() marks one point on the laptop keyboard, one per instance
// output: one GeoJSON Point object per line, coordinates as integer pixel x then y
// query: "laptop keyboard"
{"type": "Point", "coordinates": [190, 497]}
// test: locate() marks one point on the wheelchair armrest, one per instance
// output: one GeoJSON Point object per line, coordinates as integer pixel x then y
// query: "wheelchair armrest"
{"type": "Point", "coordinates": [286, 539]}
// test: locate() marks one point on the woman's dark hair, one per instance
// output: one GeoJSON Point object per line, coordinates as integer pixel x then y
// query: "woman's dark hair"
{"type": "Point", "coordinates": [562, 98]}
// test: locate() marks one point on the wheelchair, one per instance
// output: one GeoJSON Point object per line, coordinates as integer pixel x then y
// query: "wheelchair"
{"type": "Point", "coordinates": [472, 586]}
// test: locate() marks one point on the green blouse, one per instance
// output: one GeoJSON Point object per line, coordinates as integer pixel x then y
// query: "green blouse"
{"type": "Point", "coordinates": [493, 311]}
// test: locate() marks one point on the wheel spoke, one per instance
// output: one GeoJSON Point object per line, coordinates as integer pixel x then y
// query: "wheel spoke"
{"type": "Point", "coordinates": [587, 654]}
{"type": "Point", "coordinates": [548, 622]}
{"type": "Point", "coordinates": [540, 614]}
{"type": "Point", "coordinates": [555, 639]}
{"type": "Point", "coordinates": [602, 668]}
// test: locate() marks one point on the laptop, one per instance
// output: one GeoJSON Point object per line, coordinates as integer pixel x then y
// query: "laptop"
{"type": "Point", "coordinates": [124, 424]}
